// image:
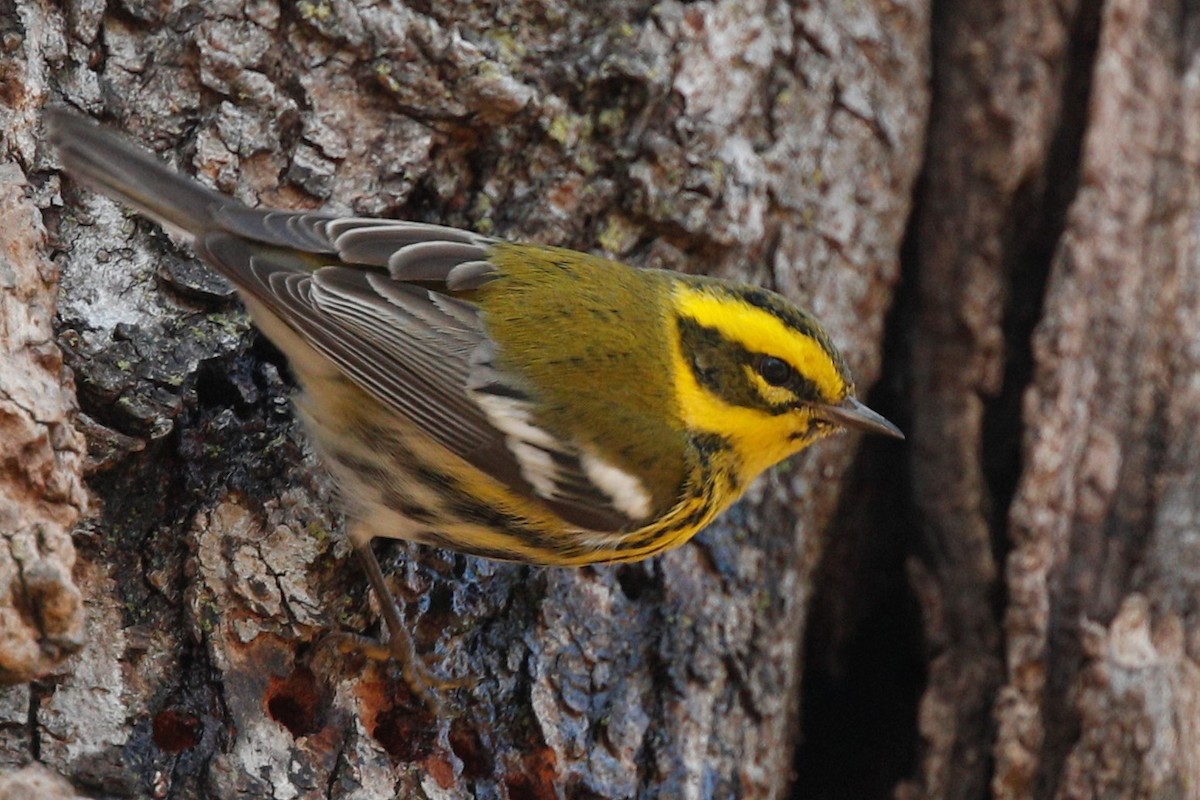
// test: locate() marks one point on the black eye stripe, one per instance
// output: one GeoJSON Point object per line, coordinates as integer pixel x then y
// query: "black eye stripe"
{"type": "Point", "coordinates": [716, 360]}
{"type": "Point", "coordinates": [805, 389]}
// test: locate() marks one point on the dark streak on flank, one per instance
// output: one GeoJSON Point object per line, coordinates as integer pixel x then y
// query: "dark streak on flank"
{"type": "Point", "coordinates": [362, 468]}
{"type": "Point", "coordinates": [441, 481]}
{"type": "Point", "coordinates": [459, 505]}
{"type": "Point", "coordinates": [405, 505]}
{"type": "Point", "coordinates": [474, 512]}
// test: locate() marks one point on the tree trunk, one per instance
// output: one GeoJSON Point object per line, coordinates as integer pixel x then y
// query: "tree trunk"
{"type": "Point", "coordinates": [1055, 404]}
{"type": "Point", "coordinates": [1004, 606]}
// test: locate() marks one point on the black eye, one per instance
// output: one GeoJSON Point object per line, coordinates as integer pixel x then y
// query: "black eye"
{"type": "Point", "coordinates": [775, 371]}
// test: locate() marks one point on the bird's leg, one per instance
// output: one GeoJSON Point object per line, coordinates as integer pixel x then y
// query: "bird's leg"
{"type": "Point", "coordinates": [400, 647]}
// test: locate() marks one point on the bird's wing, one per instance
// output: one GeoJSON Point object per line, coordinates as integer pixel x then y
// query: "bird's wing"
{"type": "Point", "coordinates": [422, 352]}
{"type": "Point", "coordinates": [375, 297]}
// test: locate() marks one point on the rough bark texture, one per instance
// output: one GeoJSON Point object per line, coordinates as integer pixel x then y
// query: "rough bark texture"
{"type": "Point", "coordinates": [774, 142]}
{"type": "Point", "coordinates": [1002, 73]}
{"type": "Point", "coordinates": [1007, 607]}
{"type": "Point", "coordinates": [35, 782]}
{"type": "Point", "coordinates": [41, 453]}
{"type": "Point", "coordinates": [1102, 687]}
{"type": "Point", "coordinates": [1054, 392]}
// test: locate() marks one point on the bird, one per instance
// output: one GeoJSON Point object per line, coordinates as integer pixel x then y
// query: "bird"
{"type": "Point", "coordinates": [519, 402]}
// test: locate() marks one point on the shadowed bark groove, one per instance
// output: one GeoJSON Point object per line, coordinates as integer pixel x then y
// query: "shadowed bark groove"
{"type": "Point", "coordinates": [999, 76]}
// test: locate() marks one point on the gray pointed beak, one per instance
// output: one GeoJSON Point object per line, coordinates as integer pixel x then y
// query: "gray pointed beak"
{"type": "Point", "coordinates": [854, 415]}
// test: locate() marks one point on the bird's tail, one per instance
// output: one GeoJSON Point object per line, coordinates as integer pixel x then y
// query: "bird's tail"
{"type": "Point", "coordinates": [110, 164]}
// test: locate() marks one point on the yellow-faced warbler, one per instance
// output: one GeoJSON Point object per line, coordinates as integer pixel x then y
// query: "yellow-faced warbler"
{"type": "Point", "coordinates": [519, 402]}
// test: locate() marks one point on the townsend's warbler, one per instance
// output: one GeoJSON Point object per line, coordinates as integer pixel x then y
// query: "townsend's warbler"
{"type": "Point", "coordinates": [519, 402]}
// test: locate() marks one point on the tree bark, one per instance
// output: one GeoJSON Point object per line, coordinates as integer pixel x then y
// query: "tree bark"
{"type": "Point", "coordinates": [1005, 607]}
{"type": "Point", "coordinates": [1054, 395]}
{"type": "Point", "coordinates": [772, 142]}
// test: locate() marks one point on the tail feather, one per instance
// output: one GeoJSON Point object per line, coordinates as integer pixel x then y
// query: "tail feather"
{"type": "Point", "coordinates": [119, 169]}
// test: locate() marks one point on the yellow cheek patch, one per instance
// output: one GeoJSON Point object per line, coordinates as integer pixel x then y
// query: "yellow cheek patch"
{"type": "Point", "coordinates": [759, 331]}
{"type": "Point", "coordinates": [761, 439]}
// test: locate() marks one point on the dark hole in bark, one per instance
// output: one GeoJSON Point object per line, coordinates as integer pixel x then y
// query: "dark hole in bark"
{"type": "Point", "coordinates": [176, 731]}
{"type": "Point", "coordinates": [298, 702]}
{"type": "Point", "coordinates": [407, 732]}
{"type": "Point", "coordinates": [470, 749]}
